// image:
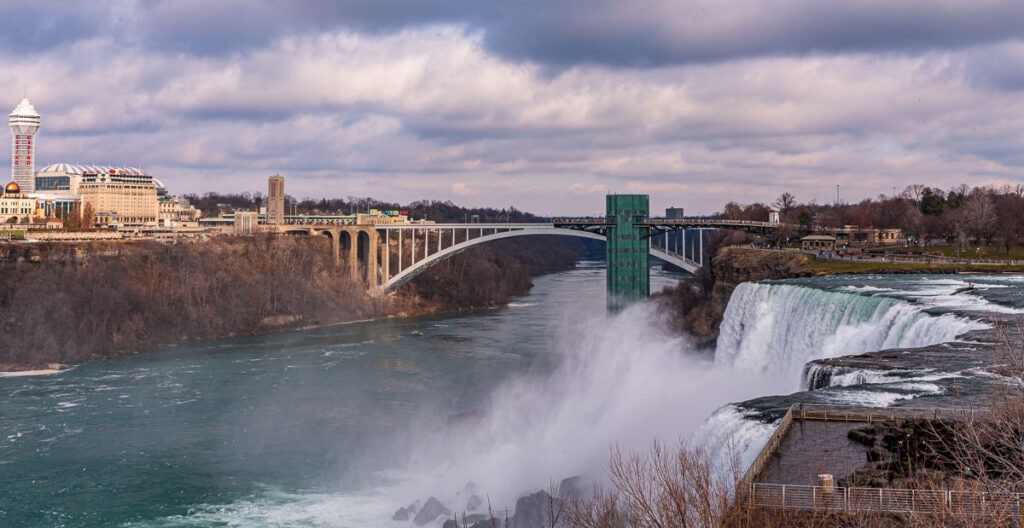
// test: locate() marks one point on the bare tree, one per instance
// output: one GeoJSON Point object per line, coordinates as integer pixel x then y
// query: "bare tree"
{"type": "Point", "coordinates": [1010, 226]}
{"type": "Point", "coordinates": [785, 203]}
{"type": "Point", "coordinates": [660, 488]}
{"type": "Point", "coordinates": [913, 192]}
{"type": "Point", "coordinates": [978, 215]}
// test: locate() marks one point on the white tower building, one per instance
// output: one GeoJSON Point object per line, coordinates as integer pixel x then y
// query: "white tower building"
{"type": "Point", "coordinates": [24, 121]}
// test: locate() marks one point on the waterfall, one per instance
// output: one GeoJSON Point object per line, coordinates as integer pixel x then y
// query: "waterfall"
{"type": "Point", "coordinates": [817, 376]}
{"type": "Point", "coordinates": [775, 329]}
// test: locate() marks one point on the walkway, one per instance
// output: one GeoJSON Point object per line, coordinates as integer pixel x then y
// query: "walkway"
{"type": "Point", "coordinates": [811, 448]}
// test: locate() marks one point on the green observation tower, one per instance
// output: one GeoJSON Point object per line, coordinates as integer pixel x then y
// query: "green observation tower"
{"type": "Point", "coordinates": [628, 275]}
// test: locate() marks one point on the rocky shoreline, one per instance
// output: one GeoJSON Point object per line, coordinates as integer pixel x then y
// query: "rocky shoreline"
{"type": "Point", "coordinates": [15, 369]}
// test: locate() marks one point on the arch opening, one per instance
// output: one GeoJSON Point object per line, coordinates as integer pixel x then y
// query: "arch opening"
{"type": "Point", "coordinates": [407, 274]}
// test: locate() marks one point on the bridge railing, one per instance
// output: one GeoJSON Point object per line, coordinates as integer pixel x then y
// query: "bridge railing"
{"type": "Point", "coordinates": [710, 223]}
{"type": "Point", "coordinates": [658, 222]}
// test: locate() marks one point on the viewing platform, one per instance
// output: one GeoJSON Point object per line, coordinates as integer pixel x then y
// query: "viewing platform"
{"type": "Point", "coordinates": [811, 442]}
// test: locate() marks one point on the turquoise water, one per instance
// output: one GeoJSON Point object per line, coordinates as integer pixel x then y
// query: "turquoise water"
{"type": "Point", "coordinates": [340, 426]}
{"type": "Point", "coordinates": [169, 433]}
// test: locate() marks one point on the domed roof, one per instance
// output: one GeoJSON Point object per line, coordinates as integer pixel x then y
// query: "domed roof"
{"type": "Point", "coordinates": [12, 188]}
{"type": "Point", "coordinates": [25, 108]}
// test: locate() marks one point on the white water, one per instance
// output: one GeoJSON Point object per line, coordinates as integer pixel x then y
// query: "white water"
{"type": "Point", "coordinates": [620, 380]}
{"type": "Point", "coordinates": [777, 328]}
{"type": "Point", "coordinates": [817, 376]}
{"type": "Point", "coordinates": [940, 293]}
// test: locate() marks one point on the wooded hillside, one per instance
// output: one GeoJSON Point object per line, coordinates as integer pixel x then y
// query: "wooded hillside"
{"type": "Point", "coordinates": [69, 303]}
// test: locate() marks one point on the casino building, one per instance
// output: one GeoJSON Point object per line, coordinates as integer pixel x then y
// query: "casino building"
{"type": "Point", "coordinates": [117, 196]}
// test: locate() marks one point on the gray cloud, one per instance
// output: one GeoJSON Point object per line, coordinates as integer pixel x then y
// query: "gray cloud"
{"type": "Point", "coordinates": [528, 102]}
{"type": "Point", "coordinates": [997, 68]}
{"type": "Point", "coordinates": [29, 27]}
{"type": "Point", "coordinates": [647, 33]}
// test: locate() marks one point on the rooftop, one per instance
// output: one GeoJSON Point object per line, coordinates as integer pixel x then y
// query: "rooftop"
{"type": "Point", "coordinates": [25, 108]}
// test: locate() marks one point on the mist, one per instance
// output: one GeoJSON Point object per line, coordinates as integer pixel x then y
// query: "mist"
{"type": "Point", "coordinates": [623, 380]}
{"type": "Point", "coordinates": [535, 395]}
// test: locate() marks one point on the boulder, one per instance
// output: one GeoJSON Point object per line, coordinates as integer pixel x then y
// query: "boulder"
{"type": "Point", "coordinates": [864, 436]}
{"type": "Point", "coordinates": [401, 515]}
{"type": "Point", "coordinates": [532, 510]}
{"type": "Point", "coordinates": [474, 502]}
{"type": "Point", "coordinates": [450, 523]}
{"type": "Point", "coordinates": [574, 487]}
{"type": "Point", "coordinates": [430, 511]}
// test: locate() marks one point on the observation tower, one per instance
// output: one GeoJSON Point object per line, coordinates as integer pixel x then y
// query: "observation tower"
{"type": "Point", "coordinates": [24, 121]}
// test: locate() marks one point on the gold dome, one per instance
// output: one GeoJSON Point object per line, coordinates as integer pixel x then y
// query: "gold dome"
{"type": "Point", "coordinates": [12, 188]}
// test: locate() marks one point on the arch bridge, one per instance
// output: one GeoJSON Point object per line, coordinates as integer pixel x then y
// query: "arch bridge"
{"type": "Point", "coordinates": [386, 256]}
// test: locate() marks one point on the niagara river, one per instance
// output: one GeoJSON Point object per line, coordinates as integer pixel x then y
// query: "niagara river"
{"type": "Point", "coordinates": [343, 425]}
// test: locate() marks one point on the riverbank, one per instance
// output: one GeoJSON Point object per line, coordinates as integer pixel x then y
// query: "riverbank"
{"type": "Point", "coordinates": [69, 303]}
{"type": "Point", "coordinates": [14, 370]}
{"type": "Point", "coordinates": [838, 266]}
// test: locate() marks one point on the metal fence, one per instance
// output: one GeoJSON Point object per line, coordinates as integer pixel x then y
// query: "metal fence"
{"type": "Point", "coordinates": [842, 413]}
{"type": "Point", "coordinates": [852, 413]}
{"type": "Point", "coordinates": [891, 500]}
{"type": "Point", "coordinates": [769, 449]}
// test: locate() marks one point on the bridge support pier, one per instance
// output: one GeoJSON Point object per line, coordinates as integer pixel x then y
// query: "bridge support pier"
{"type": "Point", "coordinates": [627, 249]}
{"type": "Point", "coordinates": [335, 237]}
{"type": "Point", "coordinates": [352, 259]}
{"type": "Point", "coordinates": [385, 262]}
{"type": "Point", "coordinates": [371, 258]}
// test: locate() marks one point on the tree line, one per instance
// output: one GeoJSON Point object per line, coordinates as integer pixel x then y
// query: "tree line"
{"type": "Point", "coordinates": [212, 204]}
{"type": "Point", "coordinates": [983, 215]}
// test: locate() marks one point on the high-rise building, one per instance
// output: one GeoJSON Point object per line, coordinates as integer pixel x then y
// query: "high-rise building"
{"type": "Point", "coordinates": [24, 121]}
{"type": "Point", "coordinates": [275, 200]}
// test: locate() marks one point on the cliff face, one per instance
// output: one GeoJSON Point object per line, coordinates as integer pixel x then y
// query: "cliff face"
{"type": "Point", "coordinates": [698, 304]}
{"type": "Point", "coordinates": [67, 303]}
{"type": "Point", "coordinates": [733, 266]}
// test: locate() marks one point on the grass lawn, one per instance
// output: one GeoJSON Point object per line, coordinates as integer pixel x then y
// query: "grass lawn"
{"type": "Point", "coordinates": [848, 266]}
{"type": "Point", "coordinates": [970, 252]}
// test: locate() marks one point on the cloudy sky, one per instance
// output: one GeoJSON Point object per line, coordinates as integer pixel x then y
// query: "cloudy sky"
{"type": "Point", "coordinates": [542, 104]}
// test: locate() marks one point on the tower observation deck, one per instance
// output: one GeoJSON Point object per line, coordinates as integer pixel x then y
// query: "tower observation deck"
{"type": "Point", "coordinates": [24, 122]}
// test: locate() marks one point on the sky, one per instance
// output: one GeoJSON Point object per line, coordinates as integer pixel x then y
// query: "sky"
{"type": "Point", "coordinates": [539, 104]}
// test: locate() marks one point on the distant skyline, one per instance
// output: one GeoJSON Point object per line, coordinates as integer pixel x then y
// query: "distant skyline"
{"type": "Point", "coordinates": [544, 105]}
